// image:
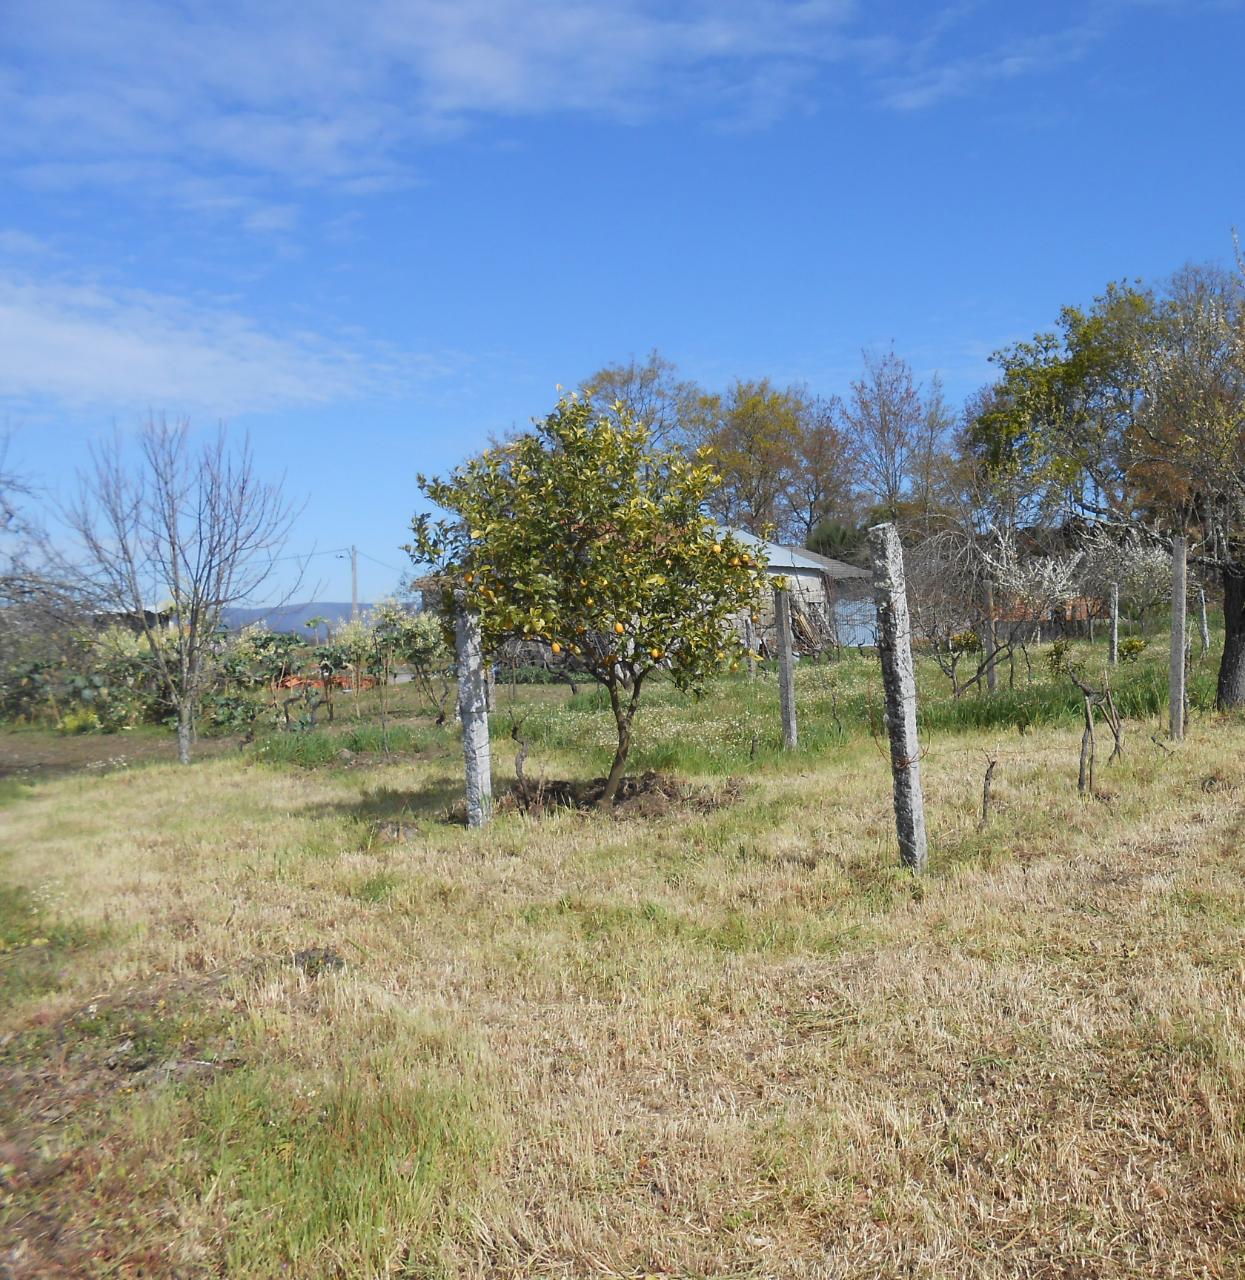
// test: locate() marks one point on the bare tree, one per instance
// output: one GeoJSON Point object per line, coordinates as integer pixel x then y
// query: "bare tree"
{"type": "Point", "coordinates": [651, 393]}
{"type": "Point", "coordinates": [887, 420]}
{"type": "Point", "coordinates": [40, 610]}
{"type": "Point", "coordinates": [823, 475]}
{"type": "Point", "coordinates": [189, 531]}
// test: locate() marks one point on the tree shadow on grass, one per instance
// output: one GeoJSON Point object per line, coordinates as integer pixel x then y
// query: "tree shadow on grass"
{"type": "Point", "coordinates": [389, 809]}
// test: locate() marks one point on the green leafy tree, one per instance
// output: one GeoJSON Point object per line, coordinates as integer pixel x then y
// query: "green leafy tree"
{"type": "Point", "coordinates": [753, 434]}
{"type": "Point", "coordinates": [581, 536]}
{"type": "Point", "coordinates": [1134, 414]}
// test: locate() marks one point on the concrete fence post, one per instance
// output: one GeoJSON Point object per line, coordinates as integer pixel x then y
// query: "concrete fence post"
{"type": "Point", "coordinates": [473, 712]}
{"type": "Point", "coordinates": [1180, 553]}
{"type": "Point", "coordinates": [786, 666]}
{"type": "Point", "coordinates": [899, 687]}
{"type": "Point", "coordinates": [750, 643]}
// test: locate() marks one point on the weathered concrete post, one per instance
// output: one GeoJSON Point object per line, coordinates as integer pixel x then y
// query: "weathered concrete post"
{"type": "Point", "coordinates": [750, 643]}
{"type": "Point", "coordinates": [1113, 646]}
{"type": "Point", "coordinates": [1180, 553]}
{"type": "Point", "coordinates": [899, 685]}
{"type": "Point", "coordinates": [786, 666]}
{"type": "Point", "coordinates": [473, 712]}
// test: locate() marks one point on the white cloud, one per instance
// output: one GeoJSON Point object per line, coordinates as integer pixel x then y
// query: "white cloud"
{"type": "Point", "coordinates": [310, 93]}
{"type": "Point", "coordinates": [126, 349]}
{"type": "Point", "coordinates": [321, 93]}
{"type": "Point", "coordinates": [20, 244]}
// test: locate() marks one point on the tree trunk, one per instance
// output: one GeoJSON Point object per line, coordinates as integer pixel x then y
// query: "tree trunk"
{"type": "Point", "coordinates": [1113, 647]}
{"type": "Point", "coordinates": [988, 639]}
{"type": "Point", "coordinates": [616, 769]}
{"type": "Point", "coordinates": [623, 716]}
{"type": "Point", "coordinates": [185, 733]}
{"type": "Point", "coordinates": [473, 712]}
{"type": "Point", "coordinates": [1203, 625]}
{"type": "Point", "coordinates": [1231, 691]}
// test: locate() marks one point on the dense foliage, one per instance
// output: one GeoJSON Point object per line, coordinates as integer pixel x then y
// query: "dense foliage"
{"type": "Point", "coordinates": [583, 537]}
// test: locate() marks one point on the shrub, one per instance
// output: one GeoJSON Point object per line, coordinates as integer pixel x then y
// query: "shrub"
{"type": "Point", "coordinates": [79, 720]}
{"type": "Point", "coordinates": [1057, 660]}
{"type": "Point", "coordinates": [1131, 648]}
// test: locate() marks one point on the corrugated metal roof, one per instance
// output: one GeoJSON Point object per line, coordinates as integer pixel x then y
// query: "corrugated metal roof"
{"type": "Point", "coordinates": [836, 568]}
{"type": "Point", "coordinates": [788, 559]}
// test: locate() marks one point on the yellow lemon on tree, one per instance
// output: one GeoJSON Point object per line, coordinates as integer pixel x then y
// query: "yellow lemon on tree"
{"type": "Point", "coordinates": [618, 628]}
{"type": "Point", "coordinates": [555, 647]}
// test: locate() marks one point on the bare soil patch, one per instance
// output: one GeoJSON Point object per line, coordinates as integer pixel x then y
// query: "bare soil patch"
{"type": "Point", "coordinates": [59, 1077]}
{"type": "Point", "coordinates": [30, 755]}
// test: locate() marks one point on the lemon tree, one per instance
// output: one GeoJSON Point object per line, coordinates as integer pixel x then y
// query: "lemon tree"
{"type": "Point", "coordinates": [581, 536]}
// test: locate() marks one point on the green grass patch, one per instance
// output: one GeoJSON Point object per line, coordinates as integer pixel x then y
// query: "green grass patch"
{"type": "Point", "coordinates": [350, 1178]}
{"type": "Point", "coordinates": [375, 888]}
{"type": "Point", "coordinates": [33, 949]}
{"type": "Point", "coordinates": [316, 748]}
{"type": "Point", "coordinates": [734, 932]}
{"type": "Point", "coordinates": [11, 791]}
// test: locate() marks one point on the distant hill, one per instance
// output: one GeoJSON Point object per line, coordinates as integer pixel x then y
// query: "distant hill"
{"type": "Point", "coordinates": [291, 617]}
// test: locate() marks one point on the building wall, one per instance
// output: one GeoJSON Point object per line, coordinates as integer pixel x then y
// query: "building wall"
{"type": "Point", "coordinates": [826, 612]}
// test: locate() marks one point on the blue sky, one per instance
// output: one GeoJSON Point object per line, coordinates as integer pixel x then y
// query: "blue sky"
{"type": "Point", "coordinates": [372, 235]}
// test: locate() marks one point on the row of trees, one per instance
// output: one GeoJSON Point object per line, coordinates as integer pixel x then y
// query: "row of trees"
{"type": "Point", "coordinates": [1098, 442]}
{"type": "Point", "coordinates": [811, 469]}
{"type": "Point", "coordinates": [1129, 419]}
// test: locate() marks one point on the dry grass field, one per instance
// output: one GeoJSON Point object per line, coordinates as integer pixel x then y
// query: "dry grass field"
{"type": "Point", "coordinates": [262, 1019]}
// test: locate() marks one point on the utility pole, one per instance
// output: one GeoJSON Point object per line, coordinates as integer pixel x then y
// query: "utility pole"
{"type": "Point", "coordinates": [354, 584]}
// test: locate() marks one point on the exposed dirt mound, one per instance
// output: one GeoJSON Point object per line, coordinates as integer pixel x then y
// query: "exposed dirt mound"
{"type": "Point", "coordinates": [651, 795]}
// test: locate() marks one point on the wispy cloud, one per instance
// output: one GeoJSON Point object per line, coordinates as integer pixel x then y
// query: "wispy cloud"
{"type": "Point", "coordinates": [261, 98]}
{"type": "Point", "coordinates": [99, 91]}
{"type": "Point", "coordinates": [947, 57]}
{"type": "Point", "coordinates": [21, 244]}
{"type": "Point", "coordinates": [931, 81]}
{"type": "Point", "coordinates": [84, 344]}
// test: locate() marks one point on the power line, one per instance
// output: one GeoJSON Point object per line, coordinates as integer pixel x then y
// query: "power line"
{"type": "Point", "coordinates": [393, 568]}
{"type": "Point", "coordinates": [336, 551]}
